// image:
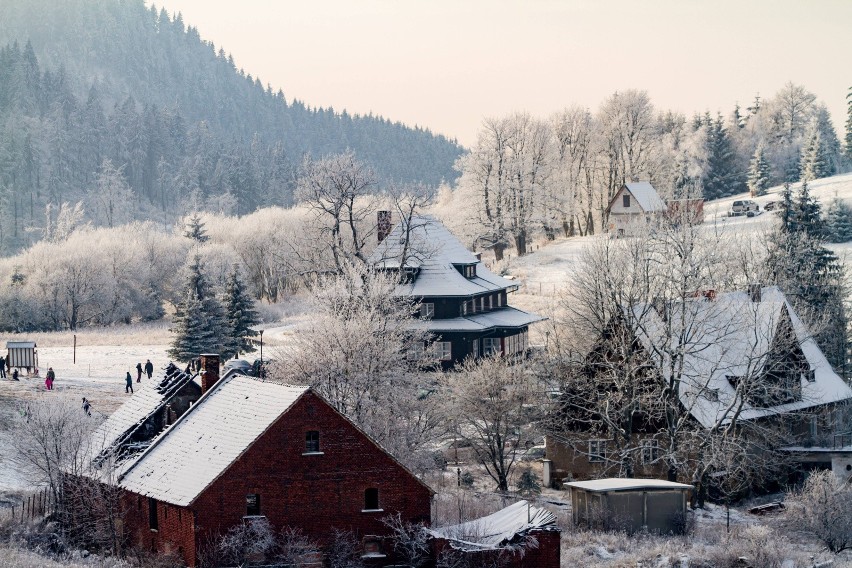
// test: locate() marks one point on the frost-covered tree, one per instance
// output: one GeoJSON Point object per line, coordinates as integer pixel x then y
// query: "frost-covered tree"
{"type": "Point", "coordinates": [199, 323]}
{"type": "Point", "coordinates": [848, 149]}
{"type": "Point", "coordinates": [821, 508]}
{"type": "Point", "coordinates": [722, 176]}
{"type": "Point", "coordinates": [838, 221]}
{"type": "Point", "coordinates": [195, 229]}
{"type": "Point", "coordinates": [758, 174]}
{"type": "Point", "coordinates": [240, 316]}
{"type": "Point", "coordinates": [110, 199]}
{"type": "Point", "coordinates": [815, 162]}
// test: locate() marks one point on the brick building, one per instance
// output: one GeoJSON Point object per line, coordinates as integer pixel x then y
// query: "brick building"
{"type": "Point", "coordinates": [463, 305]}
{"type": "Point", "coordinates": [248, 448]}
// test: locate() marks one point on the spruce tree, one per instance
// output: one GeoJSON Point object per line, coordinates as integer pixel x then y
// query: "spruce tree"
{"type": "Point", "coordinates": [849, 125]}
{"type": "Point", "coordinates": [810, 274]}
{"type": "Point", "coordinates": [838, 221]}
{"type": "Point", "coordinates": [240, 315]}
{"type": "Point", "coordinates": [722, 176]}
{"type": "Point", "coordinates": [198, 324]}
{"type": "Point", "coordinates": [195, 229]}
{"type": "Point", "coordinates": [814, 163]}
{"type": "Point", "coordinates": [758, 175]}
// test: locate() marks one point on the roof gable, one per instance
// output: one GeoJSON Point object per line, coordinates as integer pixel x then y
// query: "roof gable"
{"type": "Point", "coordinates": [645, 195]}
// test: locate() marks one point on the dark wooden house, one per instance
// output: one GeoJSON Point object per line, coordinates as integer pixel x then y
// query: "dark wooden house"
{"type": "Point", "coordinates": [463, 305]}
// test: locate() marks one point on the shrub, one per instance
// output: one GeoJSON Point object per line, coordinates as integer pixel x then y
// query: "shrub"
{"type": "Point", "coordinates": [822, 508]}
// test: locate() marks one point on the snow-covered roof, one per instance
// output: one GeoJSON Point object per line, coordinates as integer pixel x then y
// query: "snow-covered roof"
{"type": "Point", "coordinates": [625, 484]}
{"type": "Point", "coordinates": [20, 344]}
{"type": "Point", "coordinates": [499, 317]}
{"type": "Point", "coordinates": [433, 251]}
{"type": "Point", "coordinates": [206, 440]}
{"type": "Point", "coordinates": [645, 195]}
{"type": "Point", "coordinates": [497, 529]}
{"type": "Point", "coordinates": [731, 336]}
{"type": "Point", "coordinates": [150, 397]}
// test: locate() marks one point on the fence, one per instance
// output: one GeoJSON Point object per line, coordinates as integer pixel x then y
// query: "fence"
{"type": "Point", "coordinates": [539, 288]}
{"type": "Point", "coordinates": [33, 506]}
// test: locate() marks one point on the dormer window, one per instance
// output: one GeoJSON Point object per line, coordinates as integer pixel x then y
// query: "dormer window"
{"type": "Point", "coordinates": [467, 270]}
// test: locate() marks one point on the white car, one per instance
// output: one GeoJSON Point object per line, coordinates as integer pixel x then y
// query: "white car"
{"type": "Point", "coordinates": [744, 207]}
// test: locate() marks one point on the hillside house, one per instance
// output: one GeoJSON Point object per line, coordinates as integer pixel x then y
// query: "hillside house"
{"type": "Point", "coordinates": [743, 353]}
{"type": "Point", "coordinates": [634, 202]}
{"type": "Point", "coordinates": [247, 448]}
{"type": "Point", "coordinates": [464, 306]}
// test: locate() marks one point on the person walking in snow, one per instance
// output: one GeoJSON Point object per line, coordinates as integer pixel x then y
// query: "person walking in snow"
{"type": "Point", "coordinates": [86, 407]}
{"type": "Point", "coordinates": [49, 378]}
{"type": "Point", "coordinates": [138, 372]}
{"type": "Point", "coordinates": [2, 367]}
{"type": "Point", "coordinates": [149, 368]}
{"type": "Point", "coordinates": [129, 383]}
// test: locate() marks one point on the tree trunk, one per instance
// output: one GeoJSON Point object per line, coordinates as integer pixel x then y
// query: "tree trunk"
{"type": "Point", "coordinates": [498, 251]}
{"type": "Point", "coordinates": [521, 243]}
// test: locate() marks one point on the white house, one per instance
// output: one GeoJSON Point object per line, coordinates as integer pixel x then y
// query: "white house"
{"type": "Point", "coordinates": [635, 201]}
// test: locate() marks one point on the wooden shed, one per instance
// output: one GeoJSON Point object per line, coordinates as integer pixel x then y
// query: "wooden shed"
{"type": "Point", "coordinates": [630, 504]}
{"type": "Point", "coordinates": [22, 354]}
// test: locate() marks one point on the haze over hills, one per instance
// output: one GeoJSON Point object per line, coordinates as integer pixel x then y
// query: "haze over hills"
{"type": "Point", "coordinates": [115, 80]}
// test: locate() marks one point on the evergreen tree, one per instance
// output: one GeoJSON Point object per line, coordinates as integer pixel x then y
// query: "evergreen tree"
{"type": "Point", "coordinates": [838, 222]}
{"type": "Point", "coordinates": [240, 315]}
{"type": "Point", "coordinates": [195, 229]}
{"type": "Point", "coordinates": [810, 274]}
{"type": "Point", "coordinates": [722, 176]}
{"type": "Point", "coordinates": [814, 164]}
{"type": "Point", "coordinates": [758, 175]}
{"type": "Point", "coordinates": [849, 125]}
{"type": "Point", "coordinates": [198, 324]}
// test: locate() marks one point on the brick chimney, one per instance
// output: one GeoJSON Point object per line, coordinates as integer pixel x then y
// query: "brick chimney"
{"type": "Point", "coordinates": [383, 224]}
{"type": "Point", "coordinates": [755, 292]}
{"type": "Point", "coordinates": [209, 371]}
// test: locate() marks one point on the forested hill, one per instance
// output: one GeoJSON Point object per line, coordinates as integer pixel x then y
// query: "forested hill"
{"type": "Point", "coordinates": [82, 81]}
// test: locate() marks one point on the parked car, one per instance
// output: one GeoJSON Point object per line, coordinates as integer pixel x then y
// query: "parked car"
{"type": "Point", "coordinates": [770, 206]}
{"type": "Point", "coordinates": [744, 207]}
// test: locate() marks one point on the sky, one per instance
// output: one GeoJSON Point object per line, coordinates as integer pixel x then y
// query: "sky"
{"type": "Point", "coordinates": [448, 64]}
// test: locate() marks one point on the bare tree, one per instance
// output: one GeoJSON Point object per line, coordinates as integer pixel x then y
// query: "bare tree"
{"type": "Point", "coordinates": [111, 198]}
{"type": "Point", "coordinates": [822, 507]}
{"type": "Point", "coordinates": [338, 189]}
{"type": "Point", "coordinates": [410, 540]}
{"type": "Point", "coordinates": [493, 401]}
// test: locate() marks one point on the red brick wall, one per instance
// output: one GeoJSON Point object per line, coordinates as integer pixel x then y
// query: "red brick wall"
{"type": "Point", "coordinates": [176, 528]}
{"type": "Point", "coordinates": [313, 492]}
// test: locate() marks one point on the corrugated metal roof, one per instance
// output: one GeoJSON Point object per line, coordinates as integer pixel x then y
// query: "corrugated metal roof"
{"type": "Point", "coordinates": [497, 529]}
{"type": "Point", "coordinates": [624, 484]}
{"type": "Point", "coordinates": [205, 441]}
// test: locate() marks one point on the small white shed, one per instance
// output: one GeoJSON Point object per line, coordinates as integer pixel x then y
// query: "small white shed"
{"type": "Point", "coordinates": [630, 504]}
{"type": "Point", "coordinates": [22, 354]}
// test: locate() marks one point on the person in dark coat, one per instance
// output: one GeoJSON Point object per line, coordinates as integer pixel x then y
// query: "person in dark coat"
{"type": "Point", "coordinates": [138, 372]}
{"type": "Point", "coordinates": [15, 375]}
{"type": "Point", "coordinates": [2, 367]}
{"type": "Point", "coordinates": [149, 368]}
{"type": "Point", "coordinates": [49, 378]}
{"type": "Point", "coordinates": [129, 383]}
{"type": "Point", "coordinates": [87, 407]}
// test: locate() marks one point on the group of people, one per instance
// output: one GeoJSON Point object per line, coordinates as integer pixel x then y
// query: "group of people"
{"type": "Point", "coordinates": [148, 369]}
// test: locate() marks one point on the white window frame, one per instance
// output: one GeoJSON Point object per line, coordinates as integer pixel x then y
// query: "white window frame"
{"type": "Point", "coordinates": [443, 350]}
{"type": "Point", "coordinates": [416, 351]}
{"type": "Point", "coordinates": [491, 346]}
{"type": "Point", "coordinates": [597, 451]}
{"type": "Point", "coordinates": [427, 310]}
{"type": "Point", "coordinates": [650, 451]}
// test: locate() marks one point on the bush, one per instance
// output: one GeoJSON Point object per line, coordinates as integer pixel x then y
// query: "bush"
{"type": "Point", "coordinates": [822, 508]}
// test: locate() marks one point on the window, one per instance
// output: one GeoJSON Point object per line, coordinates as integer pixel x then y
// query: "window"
{"type": "Point", "coordinates": [253, 503]}
{"type": "Point", "coordinates": [482, 304]}
{"type": "Point", "coordinates": [371, 499]}
{"type": "Point", "coordinates": [650, 451]}
{"type": "Point", "coordinates": [464, 308]}
{"type": "Point", "coordinates": [475, 348]}
{"type": "Point", "coordinates": [427, 310]}
{"type": "Point", "coordinates": [810, 375]}
{"type": "Point", "coordinates": [499, 300]}
{"type": "Point", "coordinates": [415, 351]}
{"type": "Point", "coordinates": [597, 451]}
{"type": "Point", "coordinates": [312, 444]}
{"type": "Point", "coordinates": [443, 350]}
{"type": "Point", "coordinates": [491, 346]}
{"type": "Point", "coordinates": [625, 200]}
{"type": "Point", "coordinates": [152, 514]}
{"type": "Point", "coordinates": [710, 394]}
{"type": "Point", "coordinates": [490, 302]}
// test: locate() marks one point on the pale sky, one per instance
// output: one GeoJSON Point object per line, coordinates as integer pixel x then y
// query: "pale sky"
{"type": "Point", "coordinates": [447, 64]}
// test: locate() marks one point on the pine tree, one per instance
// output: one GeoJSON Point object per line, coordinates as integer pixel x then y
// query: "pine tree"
{"type": "Point", "coordinates": [758, 175]}
{"type": "Point", "coordinates": [722, 176]}
{"type": "Point", "coordinates": [240, 315]}
{"type": "Point", "coordinates": [198, 323]}
{"type": "Point", "coordinates": [814, 164]}
{"type": "Point", "coordinates": [849, 125]}
{"type": "Point", "coordinates": [810, 274]}
{"type": "Point", "coordinates": [195, 229]}
{"type": "Point", "coordinates": [838, 221]}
